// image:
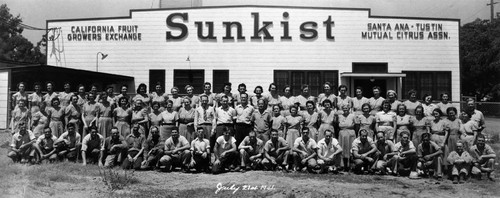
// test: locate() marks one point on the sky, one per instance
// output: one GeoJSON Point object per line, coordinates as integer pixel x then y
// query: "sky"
{"type": "Point", "coordinates": [36, 12]}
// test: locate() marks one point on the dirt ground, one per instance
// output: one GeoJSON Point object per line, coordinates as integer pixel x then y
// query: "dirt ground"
{"type": "Point", "coordinates": [74, 180]}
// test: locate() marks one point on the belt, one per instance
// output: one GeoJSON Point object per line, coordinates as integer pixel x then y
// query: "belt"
{"type": "Point", "coordinates": [386, 123]}
{"type": "Point", "coordinates": [163, 124]}
{"type": "Point", "coordinates": [225, 124]}
{"type": "Point", "coordinates": [205, 124]}
{"type": "Point", "coordinates": [185, 122]}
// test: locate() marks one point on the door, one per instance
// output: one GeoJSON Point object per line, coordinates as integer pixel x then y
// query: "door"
{"type": "Point", "coordinates": [368, 84]}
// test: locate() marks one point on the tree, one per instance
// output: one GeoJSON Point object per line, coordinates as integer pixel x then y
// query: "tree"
{"type": "Point", "coordinates": [480, 58]}
{"type": "Point", "coordinates": [13, 46]}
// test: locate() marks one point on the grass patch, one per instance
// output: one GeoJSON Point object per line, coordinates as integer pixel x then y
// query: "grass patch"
{"type": "Point", "coordinates": [117, 180]}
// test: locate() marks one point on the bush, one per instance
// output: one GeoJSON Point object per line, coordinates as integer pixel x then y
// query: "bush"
{"type": "Point", "coordinates": [116, 180]}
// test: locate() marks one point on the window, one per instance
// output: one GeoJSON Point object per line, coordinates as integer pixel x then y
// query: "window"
{"type": "Point", "coordinates": [427, 82]}
{"type": "Point", "coordinates": [369, 68]}
{"type": "Point", "coordinates": [314, 78]}
{"type": "Point", "coordinates": [156, 76]}
{"type": "Point", "coordinates": [220, 77]}
{"type": "Point", "coordinates": [195, 78]}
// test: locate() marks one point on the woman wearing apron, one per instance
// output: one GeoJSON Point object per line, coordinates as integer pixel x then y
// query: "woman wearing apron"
{"type": "Point", "coordinates": [421, 125]}
{"type": "Point", "coordinates": [278, 121]}
{"type": "Point", "coordinates": [186, 120]}
{"type": "Point", "coordinates": [346, 134]}
{"type": "Point", "coordinates": [169, 119]}
{"type": "Point", "coordinates": [105, 122]}
{"type": "Point", "coordinates": [385, 121]}
{"type": "Point", "coordinates": [327, 118]}
{"type": "Point", "coordinates": [293, 125]}
{"type": "Point", "coordinates": [122, 116]}
{"type": "Point", "coordinates": [453, 125]}
{"type": "Point", "coordinates": [311, 120]}
{"type": "Point", "coordinates": [366, 121]}
{"type": "Point", "coordinates": [439, 132]}
{"type": "Point", "coordinates": [73, 113]}
{"type": "Point", "coordinates": [403, 122]}
{"type": "Point", "coordinates": [90, 112]}
{"type": "Point", "coordinates": [56, 116]}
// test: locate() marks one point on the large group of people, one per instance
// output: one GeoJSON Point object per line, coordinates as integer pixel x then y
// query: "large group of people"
{"type": "Point", "coordinates": [251, 131]}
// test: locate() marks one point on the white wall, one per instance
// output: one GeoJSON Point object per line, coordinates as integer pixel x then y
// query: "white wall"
{"type": "Point", "coordinates": [4, 95]}
{"type": "Point", "coordinates": [253, 62]}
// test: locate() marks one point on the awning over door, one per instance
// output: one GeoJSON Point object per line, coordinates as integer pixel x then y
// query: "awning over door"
{"type": "Point", "coordinates": [374, 75]}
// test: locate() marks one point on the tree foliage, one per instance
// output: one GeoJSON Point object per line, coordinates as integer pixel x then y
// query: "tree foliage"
{"type": "Point", "coordinates": [480, 58]}
{"type": "Point", "coordinates": [15, 47]}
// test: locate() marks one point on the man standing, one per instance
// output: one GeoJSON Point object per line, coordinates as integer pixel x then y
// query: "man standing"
{"type": "Point", "coordinates": [405, 161]}
{"type": "Point", "coordinates": [224, 116]}
{"type": "Point", "coordinates": [262, 120]}
{"type": "Point", "coordinates": [484, 158]}
{"type": "Point", "coordinates": [429, 157]}
{"type": "Point", "coordinates": [225, 152]}
{"type": "Point", "coordinates": [244, 114]}
{"type": "Point", "coordinates": [176, 152]}
{"type": "Point", "coordinates": [476, 115]}
{"type": "Point", "coordinates": [135, 142]}
{"type": "Point", "coordinates": [204, 116]}
{"type": "Point", "coordinates": [329, 152]}
{"type": "Point", "coordinates": [276, 151]}
{"type": "Point", "coordinates": [200, 152]}
{"type": "Point", "coordinates": [251, 149]}
{"type": "Point", "coordinates": [92, 145]}
{"type": "Point", "coordinates": [21, 145]}
{"type": "Point", "coordinates": [153, 149]}
{"type": "Point", "coordinates": [364, 152]}
{"type": "Point", "coordinates": [114, 149]}
{"type": "Point", "coordinates": [68, 144]}
{"type": "Point", "coordinates": [304, 152]}
{"type": "Point", "coordinates": [461, 162]}
{"type": "Point", "coordinates": [45, 146]}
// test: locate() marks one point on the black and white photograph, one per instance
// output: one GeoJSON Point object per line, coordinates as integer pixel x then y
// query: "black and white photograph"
{"type": "Point", "coordinates": [249, 98]}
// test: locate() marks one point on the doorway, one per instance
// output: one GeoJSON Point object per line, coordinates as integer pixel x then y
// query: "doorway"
{"type": "Point", "coordinates": [368, 84]}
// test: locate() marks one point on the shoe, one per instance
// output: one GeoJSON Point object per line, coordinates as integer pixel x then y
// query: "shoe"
{"type": "Point", "coordinates": [237, 169]}
{"type": "Point", "coordinates": [455, 179]}
{"type": "Point", "coordinates": [247, 168]}
{"type": "Point", "coordinates": [243, 169]}
{"type": "Point", "coordinates": [414, 175]}
{"type": "Point", "coordinates": [461, 178]}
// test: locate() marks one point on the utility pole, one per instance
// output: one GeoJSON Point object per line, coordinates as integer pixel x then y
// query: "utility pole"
{"type": "Point", "coordinates": [492, 6]}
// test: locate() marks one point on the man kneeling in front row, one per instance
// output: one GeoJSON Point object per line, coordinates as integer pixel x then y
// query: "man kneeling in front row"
{"type": "Point", "coordinates": [429, 157]}
{"type": "Point", "coordinates": [405, 159]}
{"type": "Point", "coordinates": [225, 152]}
{"type": "Point", "coordinates": [200, 152]}
{"type": "Point", "coordinates": [329, 152]}
{"type": "Point", "coordinates": [305, 152]}
{"type": "Point", "coordinates": [276, 152]}
{"type": "Point", "coordinates": [251, 149]}
{"type": "Point", "coordinates": [176, 152]}
{"type": "Point", "coordinates": [484, 158]}
{"type": "Point", "coordinates": [364, 152]}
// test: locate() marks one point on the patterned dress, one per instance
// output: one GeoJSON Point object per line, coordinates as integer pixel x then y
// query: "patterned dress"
{"type": "Point", "coordinates": [421, 126]}
{"type": "Point", "coordinates": [293, 128]}
{"type": "Point", "coordinates": [347, 133]}
{"type": "Point", "coordinates": [56, 115]}
{"type": "Point", "coordinates": [105, 122]}
{"type": "Point", "coordinates": [366, 123]}
{"type": "Point", "coordinates": [122, 117]}
{"type": "Point", "coordinates": [186, 123]}
{"type": "Point", "coordinates": [310, 121]}
{"type": "Point", "coordinates": [327, 120]}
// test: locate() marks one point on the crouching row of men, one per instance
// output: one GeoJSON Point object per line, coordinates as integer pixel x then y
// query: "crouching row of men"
{"type": "Point", "coordinates": [137, 152]}
{"type": "Point", "coordinates": [403, 158]}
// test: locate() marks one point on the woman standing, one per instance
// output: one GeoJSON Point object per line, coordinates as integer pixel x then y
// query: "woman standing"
{"type": "Point", "coordinates": [444, 104]}
{"type": "Point", "coordinates": [403, 122]}
{"type": "Point", "coordinates": [186, 120]}
{"type": "Point", "coordinates": [272, 98]}
{"type": "Point", "coordinates": [386, 120]}
{"type": "Point", "coordinates": [175, 98]}
{"type": "Point", "coordinates": [143, 96]}
{"type": "Point", "coordinates": [90, 111]}
{"type": "Point", "coordinates": [195, 100]}
{"type": "Point", "coordinates": [327, 117]}
{"type": "Point", "coordinates": [21, 114]}
{"type": "Point", "coordinates": [429, 107]}
{"type": "Point", "coordinates": [159, 95]}
{"type": "Point", "coordinates": [122, 116]}
{"type": "Point", "coordinates": [154, 117]}
{"type": "Point", "coordinates": [311, 120]}
{"type": "Point", "coordinates": [278, 120]}
{"type": "Point", "coordinates": [19, 95]}
{"type": "Point", "coordinates": [366, 121]}
{"type": "Point", "coordinates": [421, 125]}
{"type": "Point", "coordinates": [105, 121]}
{"type": "Point", "coordinates": [358, 101]}
{"type": "Point", "coordinates": [393, 101]}
{"type": "Point", "coordinates": [346, 134]}
{"type": "Point", "coordinates": [55, 116]}
{"type": "Point", "coordinates": [376, 101]}
{"type": "Point", "coordinates": [293, 125]}
{"type": "Point", "coordinates": [258, 95]}
{"type": "Point", "coordinates": [438, 130]}
{"type": "Point", "coordinates": [343, 100]}
{"type": "Point", "coordinates": [123, 93]}
{"type": "Point", "coordinates": [287, 100]}
{"type": "Point", "coordinates": [452, 125]}
{"type": "Point", "coordinates": [47, 98]}
{"type": "Point", "coordinates": [169, 119]}
{"type": "Point", "coordinates": [82, 96]}
{"type": "Point", "coordinates": [35, 99]}
{"type": "Point", "coordinates": [140, 116]}
{"type": "Point", "coordinates": [469, 130]}
{"type": "Point", "coordinates": [73, 113]}
{"type": "Point", "coordinates": [411, 103]}
{"type": "Point", "coordinates": [303, 97]}
{"type": "Point", "coordinates": [65, 96]}
{"type": "Point", "coordinates": [39, 122]}
{"type": "Point", "coordinates": [327, 94]}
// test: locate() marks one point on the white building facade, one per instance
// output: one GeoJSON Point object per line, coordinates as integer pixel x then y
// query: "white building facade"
{"type": "Point", "coordinates": [258, 45]}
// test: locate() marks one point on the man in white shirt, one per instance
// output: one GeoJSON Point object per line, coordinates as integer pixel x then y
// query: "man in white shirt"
{"type": "Point", "coordinates": [329, 152]}
{"type": "Point", "coordinates": [225, 153]}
